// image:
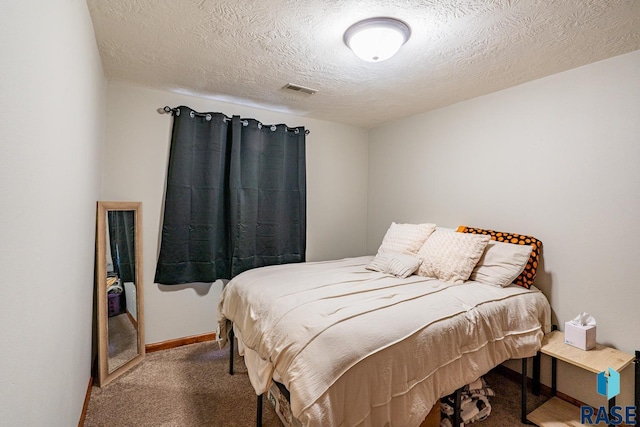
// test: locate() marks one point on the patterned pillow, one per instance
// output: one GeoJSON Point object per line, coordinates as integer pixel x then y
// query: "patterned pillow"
{"type": "Point", "coordinates": [399, 265]}
{"type": "Point", "coordinates": [450, 256]}
{"type": "Point", "coordinates": [405, 238]}
{"type": "Point", "coordinates": [525, 279]}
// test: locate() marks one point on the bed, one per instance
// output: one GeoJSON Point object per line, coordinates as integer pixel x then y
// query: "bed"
{"type": "Point", "coordinates": [357, 347]}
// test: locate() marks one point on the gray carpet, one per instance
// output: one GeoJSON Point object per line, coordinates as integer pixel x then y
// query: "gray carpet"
{"type": "Point", "coordinates": [190, 387]}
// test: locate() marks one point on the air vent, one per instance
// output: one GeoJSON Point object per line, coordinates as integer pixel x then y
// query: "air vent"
{"type": "Point", "coordinates": [299, 88]}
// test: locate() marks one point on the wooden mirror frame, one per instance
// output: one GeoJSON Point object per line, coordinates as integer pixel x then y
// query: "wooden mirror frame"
{"type": "Point", "coordinates": [104, 377]}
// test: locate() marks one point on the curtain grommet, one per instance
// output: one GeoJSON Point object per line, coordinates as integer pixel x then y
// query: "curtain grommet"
{"type": "Point", "coordinates": [273, 128]}
{"type": "Point", "coordinates": [192, 114]}
{"type": "Point", "coordinates": [259, 125]}
{"type": "Point", "coordinates": [208, 117]}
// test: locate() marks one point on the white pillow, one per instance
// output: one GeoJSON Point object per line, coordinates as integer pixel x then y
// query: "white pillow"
{"type": "Point", "coordinates": [501, 263]}
{"type": "Point", "coordinates": [399, 265]}
{"type": "Point", "coordinates": [450, 256]}
{"type": "Point", "coordinates": [405, 238]}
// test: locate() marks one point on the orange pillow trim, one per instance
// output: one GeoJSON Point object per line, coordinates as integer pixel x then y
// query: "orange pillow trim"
{"type": "Point", "coordinates": [525, 279]}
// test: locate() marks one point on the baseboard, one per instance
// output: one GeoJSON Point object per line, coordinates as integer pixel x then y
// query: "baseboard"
{"type": "Point", "coordinates": [87, 396]}
{"type": "Point", "coordinates": [544, 389]}
{"type": "Point", "coordinates": [85, 405]}
{"type": "Point", "coordinates": [165, 345]}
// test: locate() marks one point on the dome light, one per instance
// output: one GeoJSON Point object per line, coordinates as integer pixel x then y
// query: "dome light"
{"type": "Point", "coordinates": [376, 39]}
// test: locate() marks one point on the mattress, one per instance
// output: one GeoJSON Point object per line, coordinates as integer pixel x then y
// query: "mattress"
{"type": "Point", "coordinates": [362, 348]}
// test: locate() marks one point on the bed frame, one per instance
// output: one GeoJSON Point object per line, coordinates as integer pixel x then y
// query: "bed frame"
{"type": "Point", "coordinates": [535, 386]}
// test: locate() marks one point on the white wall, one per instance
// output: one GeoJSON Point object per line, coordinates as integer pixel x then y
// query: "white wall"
{"type": "Point", "coordinates": [51, 130]}
{"type": "Point", "coordinates": [135, 166]}
{"type": "Point", "coordinates": [556, 158]}
{"type": "Point", "coordinates": [131, 298]}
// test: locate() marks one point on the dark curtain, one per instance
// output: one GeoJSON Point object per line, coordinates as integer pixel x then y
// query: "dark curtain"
{"type": "Point", "coordinates": [122, 241]}
{"type": "Point", "coordinates": [267, 196]}
{"type": "Point", "coordinates": [235, 198]}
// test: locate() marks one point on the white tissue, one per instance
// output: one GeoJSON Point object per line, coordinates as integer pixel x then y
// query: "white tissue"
{"type": "Point", "coordinates": [584, 319]}
{"type": "Point", "coordinates": [581, 331]}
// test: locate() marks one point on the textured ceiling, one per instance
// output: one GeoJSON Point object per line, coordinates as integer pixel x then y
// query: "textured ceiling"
{"type": "Point", "coordinates": [245, 51]}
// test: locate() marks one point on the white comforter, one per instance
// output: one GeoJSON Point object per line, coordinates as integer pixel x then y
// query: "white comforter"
{"type": "Point", "coordinates": [356, 347]}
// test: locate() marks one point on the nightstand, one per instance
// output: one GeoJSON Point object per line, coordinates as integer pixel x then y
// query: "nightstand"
{"type": "Point", "coordinates": [557, 412]}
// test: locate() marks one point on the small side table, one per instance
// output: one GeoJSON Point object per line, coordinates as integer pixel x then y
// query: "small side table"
{"type": "Point", "coordinates": [557, 412]}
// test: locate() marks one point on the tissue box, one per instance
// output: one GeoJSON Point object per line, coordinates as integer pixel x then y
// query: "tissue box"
{"type": "Point", "coordinates": [582, 337]}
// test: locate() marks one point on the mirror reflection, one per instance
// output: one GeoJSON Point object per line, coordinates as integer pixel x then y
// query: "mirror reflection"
{"type": "Point", "coordinates": [119, 289]}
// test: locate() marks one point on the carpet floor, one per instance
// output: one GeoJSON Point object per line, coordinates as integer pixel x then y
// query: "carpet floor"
{"type": "Point", "coordinates": [190, 386]}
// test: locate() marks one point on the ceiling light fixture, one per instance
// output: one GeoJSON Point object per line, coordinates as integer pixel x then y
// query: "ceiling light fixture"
{"type": "Point", "coordinates": [376, 39]}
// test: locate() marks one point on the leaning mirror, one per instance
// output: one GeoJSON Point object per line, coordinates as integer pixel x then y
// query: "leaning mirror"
{"type": "Point", "coordinates": [119, 289]}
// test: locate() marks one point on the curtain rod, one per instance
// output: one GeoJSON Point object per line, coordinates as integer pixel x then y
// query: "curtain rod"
{"type": "Point", "coordinates": [208, 116]}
